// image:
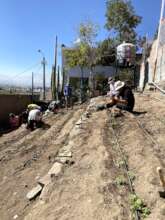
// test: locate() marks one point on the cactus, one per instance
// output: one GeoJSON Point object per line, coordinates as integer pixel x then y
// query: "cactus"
{"type": "Point", "coordinates": [58, 84]}
{"type": "Point", "coordinates": [53, 83]}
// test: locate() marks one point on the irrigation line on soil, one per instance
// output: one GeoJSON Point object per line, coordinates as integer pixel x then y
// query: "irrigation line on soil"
{"type": "Point", "coordinates": [160, 100]}
{"type": "Point", "coordinates": [145, 131]}
{"type": "Point", "coordinates": [154, 98]}
{"type": "Point", "coordinates": [157, 99]}
{"type": "Point", "coordinates": [137, 216]}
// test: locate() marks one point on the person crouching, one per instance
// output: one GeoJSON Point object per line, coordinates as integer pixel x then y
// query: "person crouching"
{"type": "Point", "coordinates": [125, 99]}
{"type": "Point", "coordinates": [112, 91]}
{"type": "Point", "coordinates": [14, 121]}
{"type": "Point", "coordinates": [34, 119]}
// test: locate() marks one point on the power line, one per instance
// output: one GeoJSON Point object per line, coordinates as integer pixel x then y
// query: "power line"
{"type": "Point", "coordinates": [37, 76]}
{"type": "Point", "coordinates": [28, 69]}
{"type": "Point", "coordinates": [21, 73]}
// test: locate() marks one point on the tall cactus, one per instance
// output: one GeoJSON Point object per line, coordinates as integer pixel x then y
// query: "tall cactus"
{"type": "Point", "coordinates": [53, 83]}
{"type": "Point", "coordinates": [58, 83]}
{"type": "Point", "coordinates": [62, 80]}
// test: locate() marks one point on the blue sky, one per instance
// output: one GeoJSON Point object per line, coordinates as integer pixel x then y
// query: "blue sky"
{"type": "Point", "coordinates": [29, 25]}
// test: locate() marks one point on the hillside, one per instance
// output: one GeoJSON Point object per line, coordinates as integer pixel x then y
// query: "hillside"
{"type": "Point", "coordinates": [99, 154]}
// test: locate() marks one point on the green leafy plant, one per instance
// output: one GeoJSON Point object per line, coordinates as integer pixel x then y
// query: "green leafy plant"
{"type": "Point", "coordinates": [122, 19]}
{"type": "Point", "coordinates": [120, 181]}
{"type": "Point", "coordinates": [113, 122]}
{"type": "Point", "coordinates": [137, 204]}
{"type": "Point", "coordinates": [120, 163]}
{"type": "Point", "coordinates": [131, 175]}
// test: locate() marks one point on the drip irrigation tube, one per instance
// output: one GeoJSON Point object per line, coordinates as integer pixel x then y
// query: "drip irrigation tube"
{"type": "Point", "coordinates": [156, 86]}
{"type": "Point", "coordinates": [137, 216]}
{"type": "Point", "coordinates": [145, 131]}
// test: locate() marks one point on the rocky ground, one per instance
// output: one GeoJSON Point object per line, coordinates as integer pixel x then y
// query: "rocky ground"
{"type": "Point", "coordinates": [92, 150]}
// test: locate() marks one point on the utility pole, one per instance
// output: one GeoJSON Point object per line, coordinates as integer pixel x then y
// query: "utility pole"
{"type": "Point", "coordinates": [32, 86]}
{"type": "Point", "coordinates": [44, 63]}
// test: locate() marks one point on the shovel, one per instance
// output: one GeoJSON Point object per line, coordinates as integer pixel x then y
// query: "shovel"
{"type": "Point", "coordinates": [162, 181]}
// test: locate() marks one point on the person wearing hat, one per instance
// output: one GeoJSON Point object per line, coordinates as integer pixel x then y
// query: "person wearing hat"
{"type": "Point", "coordinates": [33, 106]}
{"type": "Point", "coordinates": [125, 99]}
{"type": "Point", "coordinates": [112, 91]}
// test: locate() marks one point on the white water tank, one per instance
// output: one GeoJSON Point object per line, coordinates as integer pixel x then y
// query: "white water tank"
{"type": "Point", "coordinates": [126, 53]}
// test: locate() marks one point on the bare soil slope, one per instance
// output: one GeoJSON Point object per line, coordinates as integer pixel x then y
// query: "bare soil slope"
{"type": "Point", "coordinates": [94, 185]}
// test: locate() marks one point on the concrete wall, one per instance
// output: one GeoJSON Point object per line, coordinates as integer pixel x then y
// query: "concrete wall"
{"type": "Point", "coordinates": [160, 65]}
{"type": "Point", "coordinates": [13, 103]}
{"type": "Point", "coordinates": [160, 69]}
{"type": "Point", "coordinates": [104, 70]}
{"type": "Point", "coordinates": [151, 61]}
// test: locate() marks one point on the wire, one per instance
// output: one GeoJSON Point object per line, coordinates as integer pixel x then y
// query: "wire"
{"type": "Point", "coordinates": [21, 73]}
{"type": "Point", "coordinates": [28, 69]}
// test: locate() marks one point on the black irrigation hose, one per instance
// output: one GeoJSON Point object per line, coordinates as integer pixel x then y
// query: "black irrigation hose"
{"type": "Point", "coordinates": [137, 216]}
{"type": "Point", "coordinates": [125, 163]}
{"type": "Point", "coordinates": [145, 131]}
{"type": "Point", "coordinates": [154, 98]}
{"type": "Point", "coordinates": [159, 119]}
{"type": "Point", "coordinates": [157, 87]}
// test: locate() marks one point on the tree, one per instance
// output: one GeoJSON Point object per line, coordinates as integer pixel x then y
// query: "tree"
{"type": "Point", "coordinates": [101, 83]}
{"type": "Point", "coordinates": [77, 57]}
{"type": "Point", "coordinates": [84, 53]}
{"type": "Point", "coordinates": [122, 20]}
{"type": "Point", "coordinates": [106, 52]}
{"type": "Point", "coordinates": [87, 33]}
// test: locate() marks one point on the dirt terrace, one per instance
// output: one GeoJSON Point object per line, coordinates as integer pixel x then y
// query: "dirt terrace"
{"type": "Point", "coordinates": [94, 185]}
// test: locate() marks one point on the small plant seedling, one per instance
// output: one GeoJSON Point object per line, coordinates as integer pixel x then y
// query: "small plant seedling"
{"type": "Point", "coordinates": [145, 212]}
{"type": "Point", "coordinates": [120, 163]}
{"type": "Point", "coordinates": [137, 204]}
{"type": "Point", "coordinates": [131, 175]}
{"type": "Point", "coordinates": [114, 125]}
{"type": "Point", "coordinates": [120, 181]}
{"type": "Point", "coordinates": [113, 122]}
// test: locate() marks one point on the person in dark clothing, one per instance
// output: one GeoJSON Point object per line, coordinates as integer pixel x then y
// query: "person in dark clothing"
{"type": "Point", "coordinates": [68, 95]}
{"type": "Point", "coordinates": [23, 117]}
{"type": "Point", "coordinates": [125, 99]}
